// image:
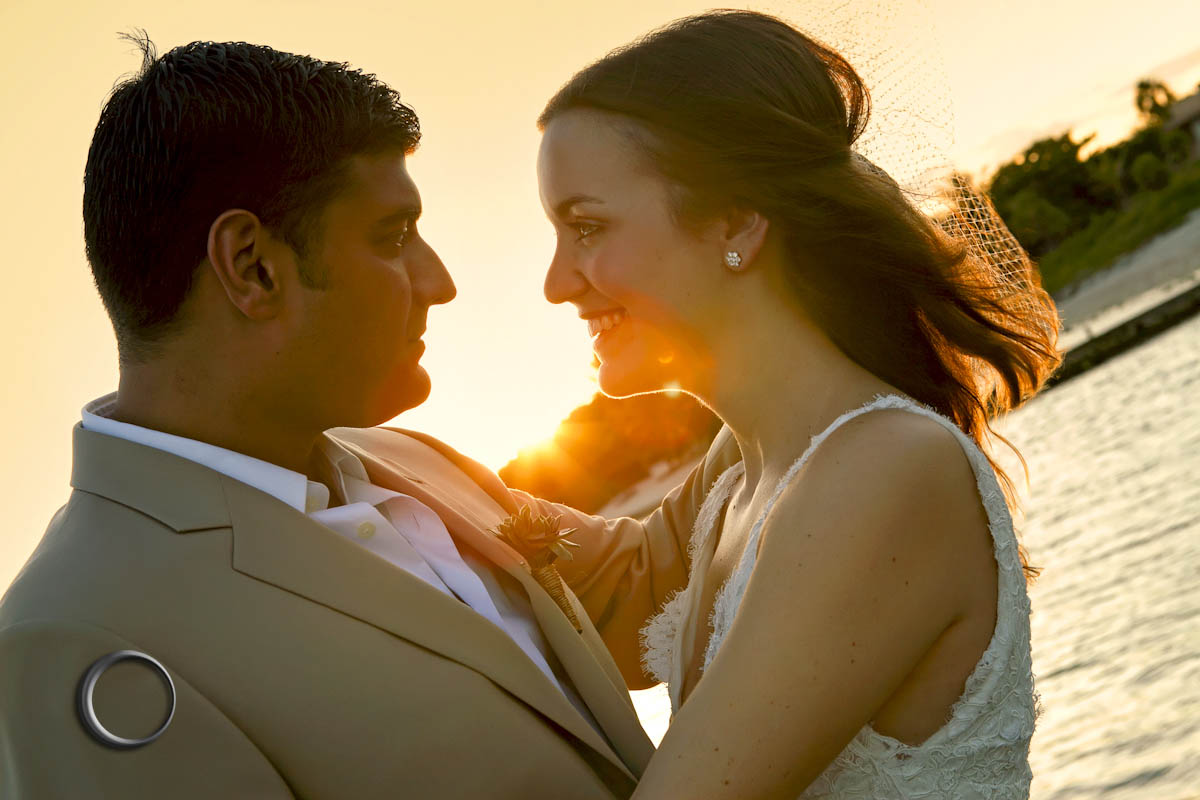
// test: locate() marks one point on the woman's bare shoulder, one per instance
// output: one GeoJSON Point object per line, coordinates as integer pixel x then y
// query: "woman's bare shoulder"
{"type": "Point", "coordinates": [899, 480]}
{"type": "Point", "coordinates": [889, 451]}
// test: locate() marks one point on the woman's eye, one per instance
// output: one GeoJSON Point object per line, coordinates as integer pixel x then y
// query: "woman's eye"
{"type": "Point", "coordinates": [584, 229]}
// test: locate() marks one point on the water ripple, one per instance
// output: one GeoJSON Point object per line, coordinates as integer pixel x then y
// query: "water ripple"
{"type": "Point", "coordinates": [1114, 460]}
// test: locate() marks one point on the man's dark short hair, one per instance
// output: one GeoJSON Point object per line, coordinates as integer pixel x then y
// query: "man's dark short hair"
{"type": "Point", "coordinates": [208, 127]}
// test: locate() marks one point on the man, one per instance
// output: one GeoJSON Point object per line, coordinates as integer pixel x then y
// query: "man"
{"type": "Point", "coordinates": [238, 601]}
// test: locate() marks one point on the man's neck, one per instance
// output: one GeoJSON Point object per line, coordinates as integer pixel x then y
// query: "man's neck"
{"type": "Point", "coordinates": [229, 420]}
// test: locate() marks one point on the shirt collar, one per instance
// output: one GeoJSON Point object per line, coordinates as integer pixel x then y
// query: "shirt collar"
{"type": "Point", "coordinates": [285, 485]}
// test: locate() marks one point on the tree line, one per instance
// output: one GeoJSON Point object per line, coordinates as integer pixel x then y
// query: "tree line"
{"type": "Point", "coordinates": [1048, 192]}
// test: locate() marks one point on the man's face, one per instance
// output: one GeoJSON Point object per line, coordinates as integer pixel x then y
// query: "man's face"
{"type": "Point", "coordinates": [360, 333]}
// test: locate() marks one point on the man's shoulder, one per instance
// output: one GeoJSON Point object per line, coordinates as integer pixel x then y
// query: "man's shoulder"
{"type": "Point", "coordinates": [97, 554]}
{"type": "Point", "coordinates": [89, 515]}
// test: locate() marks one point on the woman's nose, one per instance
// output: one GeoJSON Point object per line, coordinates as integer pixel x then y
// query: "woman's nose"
{"type": "Point", "coordinates": [563, 280]}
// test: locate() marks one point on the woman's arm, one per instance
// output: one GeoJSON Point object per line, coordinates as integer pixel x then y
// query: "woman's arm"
{"type": "Point", "coordinates": [625, 568]}
{"type": "Point", "coordinates": [856, 578]}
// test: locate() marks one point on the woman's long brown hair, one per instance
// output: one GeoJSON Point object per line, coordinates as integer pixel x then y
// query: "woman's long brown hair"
{"type": "Point", "coordinates": [739, 109]}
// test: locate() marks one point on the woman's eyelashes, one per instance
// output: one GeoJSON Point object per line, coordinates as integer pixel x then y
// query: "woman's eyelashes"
{"type": "Point", "coordinates": [584, 230]}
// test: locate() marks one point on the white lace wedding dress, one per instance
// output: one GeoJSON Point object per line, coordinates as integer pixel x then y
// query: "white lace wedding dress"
{"type": "Point", "coordinates": [981, 753]}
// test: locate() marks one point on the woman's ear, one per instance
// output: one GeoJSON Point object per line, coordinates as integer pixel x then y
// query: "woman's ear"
{"type": "Point", "coordinates": [237, 246]}
{"type": "Point", "coordinates": [745, 232]}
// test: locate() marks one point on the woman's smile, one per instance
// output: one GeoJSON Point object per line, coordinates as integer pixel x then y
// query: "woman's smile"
{"type": "Point", "coordinates": [598, 326]}
{"type": "Point", "coordinates": [604, 334]}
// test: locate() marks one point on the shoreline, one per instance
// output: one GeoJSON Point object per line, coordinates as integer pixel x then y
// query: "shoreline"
{"type": "Point", "coordinates": [1162, 268]}
{"type": "Point", "coordinates": [1142, 294]}
{"type": "Point", "coordinates": [1127, 335]}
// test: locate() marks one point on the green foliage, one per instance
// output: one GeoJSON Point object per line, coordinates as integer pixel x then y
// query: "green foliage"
{"type": "Point", "coordinates": [1106, 171]}
{"type": "Point", "coordinates": [1153, 100]}
{"type": "Point", "coordinates": [1151, 139]}
{"type": "Point", "coordinates": [1050, 198]}
{"type": "Point", "coordinates": [1112, 234]}
{"type": "Point", "coordinates": [1051, 171]}
{"type": "Point", "coordinates": [1035, 221]}
{"type": "Point", "coordinates": [1177, 146]}
{"type": "Point", "coordinates": [1149, 172]}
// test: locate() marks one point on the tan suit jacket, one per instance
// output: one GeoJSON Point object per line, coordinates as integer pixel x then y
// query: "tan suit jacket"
{"type": "Point", "coordinates": [304, 666]}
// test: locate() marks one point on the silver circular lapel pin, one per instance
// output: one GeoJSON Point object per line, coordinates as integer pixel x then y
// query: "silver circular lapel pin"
{"type": "Point", "coordinates": [87, 711]}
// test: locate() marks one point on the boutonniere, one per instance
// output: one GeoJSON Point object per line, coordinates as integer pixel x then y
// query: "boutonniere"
{"type": "Point", "coordinates": [539, 540]}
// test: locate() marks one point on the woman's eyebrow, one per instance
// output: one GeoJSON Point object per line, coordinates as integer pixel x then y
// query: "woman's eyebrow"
{"type": "Point", "coordinates": [562, 208]}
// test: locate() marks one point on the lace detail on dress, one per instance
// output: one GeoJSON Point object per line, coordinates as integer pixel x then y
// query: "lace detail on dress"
{"type": "Point", "coordinates": [659, 637]}
{"type": "Point", "coordinates": [983, 749]}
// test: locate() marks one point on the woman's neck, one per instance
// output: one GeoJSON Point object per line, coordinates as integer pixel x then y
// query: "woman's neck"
{"type": "Point", "coordinates": [790, 384]}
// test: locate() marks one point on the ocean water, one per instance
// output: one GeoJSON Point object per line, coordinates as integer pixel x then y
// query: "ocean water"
{"type": "Point", "coordinates": [1113, 518]}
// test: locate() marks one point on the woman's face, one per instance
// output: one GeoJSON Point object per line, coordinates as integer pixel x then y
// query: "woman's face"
{"type": "Point", "coordinates": [648, 287]}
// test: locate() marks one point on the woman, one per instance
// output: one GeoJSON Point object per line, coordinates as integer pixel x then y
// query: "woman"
{"type": "Point", "coordinates": [855, 623]}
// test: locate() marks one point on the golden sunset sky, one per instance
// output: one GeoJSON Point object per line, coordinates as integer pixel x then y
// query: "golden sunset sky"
{"type": "Point", "coordinates": [506, 365]}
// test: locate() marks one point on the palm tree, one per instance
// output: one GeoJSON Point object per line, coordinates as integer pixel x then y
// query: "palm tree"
{"type": "Point", "coordinates": [1153, 100]}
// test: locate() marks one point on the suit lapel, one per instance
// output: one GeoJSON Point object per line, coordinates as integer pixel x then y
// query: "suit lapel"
{"type": "Point", "coordinates": [281, 546]}
{"type": "Point", "coordinates": [469, 512]}
{"type": "Point", "coordinates": [610, 705]}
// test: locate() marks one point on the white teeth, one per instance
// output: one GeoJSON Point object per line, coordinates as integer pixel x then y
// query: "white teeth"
{"type": "Point", "coordinates": [604, 323]}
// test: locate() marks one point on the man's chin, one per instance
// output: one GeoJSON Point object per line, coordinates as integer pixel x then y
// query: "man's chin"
{"type": "Point", "coordinates": [404, 397]}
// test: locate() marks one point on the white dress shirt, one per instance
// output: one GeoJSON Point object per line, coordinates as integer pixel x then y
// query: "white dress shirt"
{"type": "Point", "coordinates": [393, 526]}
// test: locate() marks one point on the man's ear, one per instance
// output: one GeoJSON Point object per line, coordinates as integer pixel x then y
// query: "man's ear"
{"type": "Point", "coordinates": [237, 247]}
{"type": "Point", "coordinates": [745, 232]}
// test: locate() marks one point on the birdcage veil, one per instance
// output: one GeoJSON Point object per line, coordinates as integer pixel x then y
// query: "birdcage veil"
{"type": "Point", "coordinates": [896, 47]}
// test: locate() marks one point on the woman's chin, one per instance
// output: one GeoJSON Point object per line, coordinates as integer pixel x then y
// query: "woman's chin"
{"type": "Point", "coordinates": [618, 381]}
{"type": "Point", "coordinates": [638, 358]}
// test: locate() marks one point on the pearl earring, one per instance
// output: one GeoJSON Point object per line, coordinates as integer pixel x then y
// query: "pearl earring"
{"type": "Point", "coordinates": [733, 259]}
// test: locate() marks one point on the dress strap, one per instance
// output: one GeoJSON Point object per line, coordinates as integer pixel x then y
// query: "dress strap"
{"type": "Point", "coordinates": [880, 401]}
{"type": "Point", "coordinates": [999, 521]}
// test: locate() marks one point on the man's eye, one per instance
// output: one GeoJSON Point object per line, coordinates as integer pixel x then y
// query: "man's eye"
{"type": "Point", "coordinates": [401, 237]}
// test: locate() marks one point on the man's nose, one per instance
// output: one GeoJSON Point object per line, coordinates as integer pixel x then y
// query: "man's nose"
{"type": "Point", "coordinates": [563, 280]}
{"type": "Point", "coordinates": [436, 285]}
